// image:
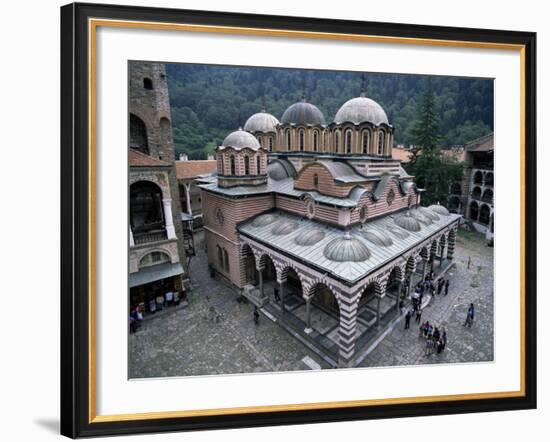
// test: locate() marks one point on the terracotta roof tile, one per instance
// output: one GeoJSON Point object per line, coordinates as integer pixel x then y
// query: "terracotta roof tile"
{"type": "Point", "coordinates": [137, 159]}
{"type": "Point", "coordinates": [401, 154]}
{"type": "Point", "coordinates": [194, 168]}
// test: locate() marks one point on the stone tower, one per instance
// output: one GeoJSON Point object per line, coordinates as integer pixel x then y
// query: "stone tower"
{"type": "Point", "coordinates": [150, 127]}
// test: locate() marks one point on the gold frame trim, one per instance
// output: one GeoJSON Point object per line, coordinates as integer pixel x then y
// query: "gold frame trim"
{"type": "Point", "coordinates": [93, 24]}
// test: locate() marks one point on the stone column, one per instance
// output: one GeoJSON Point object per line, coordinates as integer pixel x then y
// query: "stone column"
{"type": "Point", "coordinates": [132, 243]}
{"type": "Point", "coordinates": [168, 219]}
{"type": "Point", "coordinates": [399, 290]}
{"type": "Point", "coordinates": [282, 295]}
{"type": "Point", "coordinates": [188, 198]}
{"type": "Point", "coordinates": [378, 311]}
{"type": "Point", "coordinates": [411, 273]}
{"type": "Point", "coordinates": [451, 246]}
{"type": "Point", "coordinates": [308, 328]}
{"type": "Point", "coordinates": [347, 334]}
{"type": "Point", "coordinates": [424, 268]}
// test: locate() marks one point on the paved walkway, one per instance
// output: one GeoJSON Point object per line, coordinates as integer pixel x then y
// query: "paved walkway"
{"type": "Point", "coordinates": [215, 334]}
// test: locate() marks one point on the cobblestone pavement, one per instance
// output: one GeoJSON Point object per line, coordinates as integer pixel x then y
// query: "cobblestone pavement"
{"type": "Point", "coordinates": [475, 344]}
{"type": "Point", "coordinates": [215, 334]}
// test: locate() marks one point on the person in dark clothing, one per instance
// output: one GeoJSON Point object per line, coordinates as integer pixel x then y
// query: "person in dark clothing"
{"type": "Point", "coordinates": [436, 334]}
{"type": "Point", "coordinates": [256, 316]}
{"type": "Point", "coordinates": [470, 316]}
{"type": "Point", "coordinates": [440, 286]}
{"type": "Point", "coordinates": [446, 287]}
{"type": "Point", "coordinates": [276, 294]}
{"type": "Point", "coordinates": [418, 315]}
{"type": "Point", "coordinates": [407, 319]}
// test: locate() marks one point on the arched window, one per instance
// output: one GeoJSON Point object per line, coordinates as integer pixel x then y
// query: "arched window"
{"type": "Point", "coordinates": [315, 180]}
{"type": "Point", "coordinates": [288, 140]}
{"type": "Point", "coordinates": [138, 135]}
{"type": "Point", "coordinates": [153, 258]}
{"type": "Point", "coordinates": [325, 140]}
{"type": "Point", "coordinates": [271, 144]}
{"type": "Point", "coordinates": [381, 139]}
{"type": "Point", "coordinates": [260, 140]}
{"type": "Point", "coordinates": [478, 177]}
{"type": "Point", "coordinates": [226, 260]}
{"type": "Point", "coordinates": [336, 141]}
{"type": "Point", "coordinates": [148, 83]}
{"type": "Point", "coordinates": [366, 141]}
{"type": "Point", "coordinates": [302, 140]}
{"type": "Point", "coordinates": [258, 164]}
{"type": "Point", "coordinates": [348, 141]}
{"type": "Point", "coordinates": [315, 141]}
{"type": "Point", "coordinates": [232, 162]}
{"type": "Point", "coordinates": [246, 165]}
{"type": "Point", "coordinates": [146, 210]}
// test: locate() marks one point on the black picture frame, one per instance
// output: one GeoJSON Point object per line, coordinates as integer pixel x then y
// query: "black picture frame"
{"type": "Point", "coordinates": [75, 221]}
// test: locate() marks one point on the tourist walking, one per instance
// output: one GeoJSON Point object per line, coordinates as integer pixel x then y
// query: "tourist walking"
{"type": "Point", "coordinates": [256, 315]}
{"type": "Point", "coordinates": [446, 287]}
{"type": "Point", "coordinates": [469, 316]}
{"type": "Point", "coordinates": [418, 315]}
{"type": "Point", "coordinates": [407, 319]}
{"type": "Point", "coordinates": [440, 284]}
{"type": "Point", "coordinates": [429, 346]}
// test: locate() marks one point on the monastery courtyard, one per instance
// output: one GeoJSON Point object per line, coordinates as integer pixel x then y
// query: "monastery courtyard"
{"type": "Point", "coordinates": [215, 334]}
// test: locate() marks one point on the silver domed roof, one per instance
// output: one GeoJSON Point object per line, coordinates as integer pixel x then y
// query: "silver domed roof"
{"type": "Point", "coordinates": [438, 208]}
{"type": "Point", "coordinates": [264, 220]}
{"type": "Point", "coordinates": [419, 216]}
{"type": "Point", "coordinates": [346, 248]}
{"type": "Point", "coordinates": [400, 233]}
{"type": "Point", "coordinates": [284, 227]}
{"type": "Point", "coordinates": [303, 113]}
{"type": "Point", "coordinates": [429, 213]}
{"type": "Point", "coordinates": [261, 122]}
{"type": "Point", "coordinates": [310, 237]}
{"type": "Point", "coordinates": [361, 110]}
{"type": "Point", "coordinates": [408, 223]}
{"type": "Point", "coordinates": [377, 238]}
{"type": "Point", "coordinates": [241, 139]}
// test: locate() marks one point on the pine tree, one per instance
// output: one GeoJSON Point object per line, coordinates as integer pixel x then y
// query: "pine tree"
{"type": "Point", "coordinates": [426, 128]}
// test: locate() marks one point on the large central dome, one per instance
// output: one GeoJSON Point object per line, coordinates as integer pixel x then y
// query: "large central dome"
{"type": "Point", "coordinates": [361, 110]}
{"type": "Point", "coordinates": [261, 122]}
{"type": "Point", "coordinates": [303, 113]}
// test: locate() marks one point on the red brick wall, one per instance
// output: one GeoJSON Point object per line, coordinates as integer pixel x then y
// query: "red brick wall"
{"type": "Point", "coordinates": [327, 186]}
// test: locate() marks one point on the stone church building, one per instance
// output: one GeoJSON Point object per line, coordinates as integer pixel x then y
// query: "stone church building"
{"type": "Point", "coordinates": [319, 225]}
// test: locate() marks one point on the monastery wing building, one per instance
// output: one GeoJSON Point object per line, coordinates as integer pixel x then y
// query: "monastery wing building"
{"type": "Point", "coordinates": [319, 225]}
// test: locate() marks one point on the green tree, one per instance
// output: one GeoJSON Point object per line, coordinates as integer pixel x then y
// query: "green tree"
{"type": "Point", "coordinates": [434, 171]}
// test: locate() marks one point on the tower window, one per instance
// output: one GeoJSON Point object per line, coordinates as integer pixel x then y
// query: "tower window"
{"type": "Point", "coordinates": [336, 141]}
{"type": "Point", "coordinates": [258, 164]}
{"type": "Point", "coordinates": [232, 161]}
{"type": "Point", "coordinates": [315, 141]}
{"type": "Point", "coordinates": [348, 141]}
{"type": "Point", "coordinates": [302, 140]}
{"type": "Point", "coordinates": [288, 141]}
{"type": "Point", "coordinates": [270, 144]}
{"type": "Point", "coordinates": [148, 83]}
{"type": "Point", "coordinates": [381, 143]}
{"type": "Point", "coordinates": [246, 165]}
{"type": "Point", "coordinates": [315, 180]}
{"type": "Point", "coordinates": [366, 137]}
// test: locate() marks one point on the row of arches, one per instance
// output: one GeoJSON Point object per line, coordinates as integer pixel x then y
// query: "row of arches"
{"type": "Point", "coordinates": [241, 164]}
{"type": "Point", "coordinates": [486, 196]}
{"type": "Point", "coordinates": [480, 213]}
{"type": "Point", "coordinates": [485, 178]}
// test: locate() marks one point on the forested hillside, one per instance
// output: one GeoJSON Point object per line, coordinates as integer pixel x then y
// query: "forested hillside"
{"type": "Point", "coordinates": [209, 101]}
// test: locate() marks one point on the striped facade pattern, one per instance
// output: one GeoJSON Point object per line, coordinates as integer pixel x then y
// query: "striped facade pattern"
{"type": "Point", "coordinates": [224, 162]}
{"type": "Point", "coordinates": [326, 184]}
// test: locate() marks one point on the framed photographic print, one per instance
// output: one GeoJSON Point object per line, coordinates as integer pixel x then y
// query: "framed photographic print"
{"type": "Point", "coordinates": [279, 220]}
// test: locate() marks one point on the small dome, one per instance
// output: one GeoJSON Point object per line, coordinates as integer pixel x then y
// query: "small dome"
{"type": "Point", "coordinates": [408, 223]}
{"type": "Point", "coordinates": [377, 238]}
{"type": "Point", "coordinates": [346, 248]}
{"type": "Point", "coordinates": [264, 220]}
{"type": "Point", "coordinates": [360, 110]}
{"type": "Point", "coordinates": [400, 233]}
{"type": "Point", "coordinates": [261, 122]}
{"type": "Point", "coordinates": [429, 213]}
{"type": "Point", "coordinates": [284, 228]}
{"type": "Point", "coordinates": [241, 139]}
{"type": "Point", "coordinates": [438, 208]}
{"type": "Point", "coordinates": [303, 113]}
{"type": "Point", "coordinates": [276, 171]}
{"type": "Point", "coordinates": [310, 237]}
{"type": "Point", "coordinates": [419, 216]}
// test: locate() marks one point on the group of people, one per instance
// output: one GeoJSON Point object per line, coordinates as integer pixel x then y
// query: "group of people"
{"type": "Point", "coordinates": [435, 340]}
{"type": "Point", "coordinates": [136, 316]}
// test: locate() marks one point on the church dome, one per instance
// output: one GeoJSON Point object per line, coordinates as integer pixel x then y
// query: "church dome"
{"type": "Point", "coordinates": [264, 220]}
{"type": "Point", "coordinates": [303, 113]}
{"type": "Point", "coordinates": [284, 228]}
{"type": "Point", "coordinates": [346, 248]}
{"type": "Point", "coordinates": [438, 208]}
{"type": "Point", "coordinates": [429, 213]}
{"type": "Point", "coordinates": [241, 139]}
{"type": "Point", "coordinates": [261, 122]}
{"type": "Point", "coordinates": [377, 238]}
{"type": "Point", "coordinates": [361, 110]}
{"type": "Point", "coordinates": [408, 223]}
{"type": "Point", "coordinates": [419, 216]}
{"type": "Point", "coordinates": [310, 237]}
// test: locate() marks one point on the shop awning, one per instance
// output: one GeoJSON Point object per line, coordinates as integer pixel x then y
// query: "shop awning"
{"type": "Point", "coordinates": [155, 273]}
